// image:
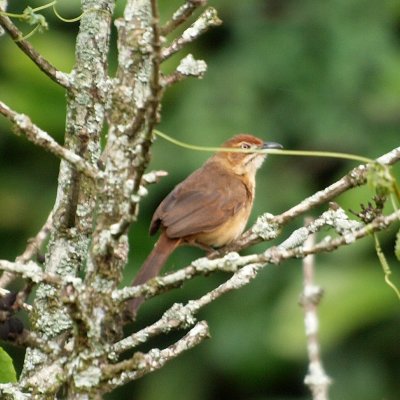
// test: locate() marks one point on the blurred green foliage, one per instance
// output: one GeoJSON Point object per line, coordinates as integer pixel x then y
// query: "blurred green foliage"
{"type": "Point", "coordinates": [309, 74]}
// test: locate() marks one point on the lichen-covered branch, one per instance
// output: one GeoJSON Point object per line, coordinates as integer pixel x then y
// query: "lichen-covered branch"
{"type": "Point", "coordinates": [188, 67]}
{"type": "Point", "coordinates": [35, 243]}
{"type": "Point", "coordinates": [208, 19]}
{"type": "Point", "coordinates": [29, 270]}
{"type": "Point", "coordinates": [3, 6]}
{"type": "Point", "coordinates": [182, 15]}
{"type": "Point", "coordinates": [293, 247]}
{"type": "Point", "coordinates": [316, 379]}
{"type": "Point", "coordinates": [43, 139]}
{"type": "Point", "coordinates": [142, 364]}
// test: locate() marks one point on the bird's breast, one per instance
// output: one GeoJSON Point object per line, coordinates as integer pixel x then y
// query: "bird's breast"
{"type": "Point", "coordinates": [227, 232]}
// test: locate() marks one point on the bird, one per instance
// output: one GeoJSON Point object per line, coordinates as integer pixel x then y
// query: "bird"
{"type": "Point", "coordinates": [209, 209]}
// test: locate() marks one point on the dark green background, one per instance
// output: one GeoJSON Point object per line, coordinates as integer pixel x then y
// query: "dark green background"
{"type": "Point", "coordinates": [309, 74]}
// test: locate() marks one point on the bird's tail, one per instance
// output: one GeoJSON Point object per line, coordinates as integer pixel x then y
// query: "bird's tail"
{"type": "Point", "coordinates": [151, 268]}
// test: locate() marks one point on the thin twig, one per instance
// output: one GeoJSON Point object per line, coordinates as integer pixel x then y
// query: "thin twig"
{"type": "Point", "coordinates": [35, 243]}
{"type": "Point", "coordinates": [31, 339]}
{"type": "Point", "coordinates": [182, 15]}
{"type": "Point", "coordinates": [44, 140]}
{"type": "Point", "coordinates": [142, 364]}
{"type": "Point", "coordinates": [155, 86]}
{"type": "Point", "coordinates": [153, 177]}
{"type": "Point", "coordinates": [52, 72]}
{"type": "Point", "coordinates": [188, 67]}
{"type": "Point", "coordinates": [6, 278]}
{"type": "Point", "coordinates": [121, 226]}
{"type": "Point", "coordinates": [206, 20]}
{"type": "Point", "coordinates": [32, 271]}
{"type": "Point", "coordinates": [316, 379]}
{"type": "Point", "coordinates": [5, 292]}
{"type": "Point", "coordinates": [173, 319]}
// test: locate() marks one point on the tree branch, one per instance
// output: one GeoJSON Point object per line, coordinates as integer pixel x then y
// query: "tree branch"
{"type": "Point", "coordinates": [33, 247]}
{"type": "Point", "coordinates": [53, 73]}
{"type": "Point", "coordinates": [31, 271]}
{"type": "Point", "coordinates": [182, 15]}
{"type": "Point", "coordinates": [188, 67]}
{"type": "Point", "coordinates": [35, 243]}
{"type": "Point", "coordinates": [292, 247]}
{"type": "Point", "coordinates": [5, 292]}
{"type": "Point", "coordinates": [41, 138]}
{"type": "Point", "coordinates": [206, 20]}
{"type": "Point", "coordinates": [317, 379]}
{"type": "Point", "coordinates": [142, 364]}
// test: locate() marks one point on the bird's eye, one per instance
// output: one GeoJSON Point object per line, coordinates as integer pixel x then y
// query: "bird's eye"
{"type": "Point", "coordinates": [245, 146]}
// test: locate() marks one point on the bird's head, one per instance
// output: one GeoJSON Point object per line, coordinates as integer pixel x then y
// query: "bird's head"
{"type": "Point", "coordinates": [245, 162]}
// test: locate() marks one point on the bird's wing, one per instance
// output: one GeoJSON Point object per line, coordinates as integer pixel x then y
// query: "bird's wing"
{"type": "Point", "coordinates": [200, 204]}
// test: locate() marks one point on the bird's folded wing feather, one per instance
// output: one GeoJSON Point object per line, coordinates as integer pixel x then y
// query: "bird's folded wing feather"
{"type": "Point", "coordinates": [200, 204]}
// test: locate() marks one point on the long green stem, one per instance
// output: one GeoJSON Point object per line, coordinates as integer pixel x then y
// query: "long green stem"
{"type": "Point", "coordinates": [66, 19]}
{"type": "Point", "coordinates": [304, 153]}
{"type": "Point", "coordinates": [385, 265]}
{"type": "Point", "coordinates": [44, 6]}
{"type": "Point", "coordinates": [28, 35]}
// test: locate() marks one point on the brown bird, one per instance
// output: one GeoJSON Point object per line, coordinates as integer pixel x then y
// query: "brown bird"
{"type": "Point", "coordinates": [209, 209]}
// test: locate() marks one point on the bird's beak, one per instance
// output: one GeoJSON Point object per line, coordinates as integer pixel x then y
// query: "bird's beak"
{"type": "Point", "coordinates": [272, 145]}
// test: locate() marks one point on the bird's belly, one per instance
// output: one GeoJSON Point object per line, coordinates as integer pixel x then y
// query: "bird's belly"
{"type": "Point", "coordinates": [227, 232]}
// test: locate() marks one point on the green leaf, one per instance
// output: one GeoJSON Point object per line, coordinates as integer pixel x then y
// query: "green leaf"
{"type": "Point", "coordinates": [397, 246]}
{"type": "Point", "coordinates": [7, 371]}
